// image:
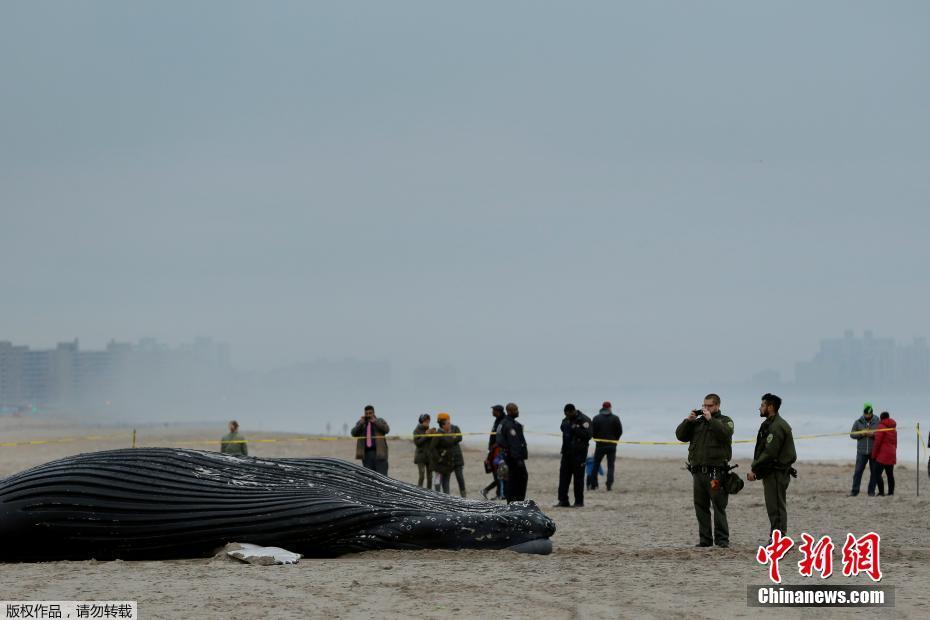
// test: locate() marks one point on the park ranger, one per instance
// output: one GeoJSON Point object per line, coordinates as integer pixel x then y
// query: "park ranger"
{"type": "Point", "coordinates": [233, 442]}
{"type": "Point", "coordinates": [710, 435]}
{"type": "Point", "coordinates": [772, 462]}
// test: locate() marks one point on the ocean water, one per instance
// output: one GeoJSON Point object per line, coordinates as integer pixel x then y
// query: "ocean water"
{"type": "Point", "coordinates": [647, 415]}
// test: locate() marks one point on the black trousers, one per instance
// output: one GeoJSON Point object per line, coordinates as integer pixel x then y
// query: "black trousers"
{"type": "Point", "coordinates": [571, 471]}
{"type": "Point", "coordinates": [370, 461]}
{"type": "Point", "coordinates": [460, 478]}
{"type": "Point", "coordinates": [889, 472]}
{"type": "Point", "coordinates": [600, 451]}
{"type": "Point", "coordinates": [517, 479]}
{"type": "Point", "coordinates": [444, 482]}
{"type": "Point", "coordinates": [875, 478]}
{"type": "Point", "coordinates": [494, 485]}
{"type": "Point", "coordinates": [426, 475]}
{"type": "Point", "coordinates": [861, 461]}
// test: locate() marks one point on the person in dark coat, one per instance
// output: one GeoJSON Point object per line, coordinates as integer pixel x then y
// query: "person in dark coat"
{"type": "Point", "coordinates": [421, 456]}
{"type": "Point", "coordinates": [445, 422]}
{"type": "Point", "coordinates": [576, 433]}
{"type": "Point", "coordinates": [863, 432]}
{"type": "Point", "coordinates": [490, 463]}
{"type": "Point", "coordinates": [443, 449]}
{"type": "Point", "coordinates": [605, 426]}
{"type": "Point", "coordinates": [885, 449]}
{"type": "Point", "coordinates": [512, 443]}
{"type": "Point", "coordinates": [371, 448]}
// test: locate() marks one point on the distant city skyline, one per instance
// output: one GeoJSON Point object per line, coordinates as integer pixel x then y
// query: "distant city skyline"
{"type": "Point", "coordinates": [868, 362]}
{"type": "Point", "coordinates": [149, 374]}
{"type": "Point", "coordinates": [67, 376]}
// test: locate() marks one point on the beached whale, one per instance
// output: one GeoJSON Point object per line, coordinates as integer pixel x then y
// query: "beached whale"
{"type": "Point", "coordinates": [161, 503]}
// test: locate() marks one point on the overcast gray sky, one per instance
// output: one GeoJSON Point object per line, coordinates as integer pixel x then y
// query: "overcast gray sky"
{"type": "Point", "coordinates": [598, 192]}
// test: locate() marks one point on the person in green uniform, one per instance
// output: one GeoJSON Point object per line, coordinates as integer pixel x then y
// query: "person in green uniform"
{"type": "Point", "coordinates": [233, 442]}
{"type": "Point", "coordinates": [710, 437]}
{"type": "Point", "coordinates": [772, 462]}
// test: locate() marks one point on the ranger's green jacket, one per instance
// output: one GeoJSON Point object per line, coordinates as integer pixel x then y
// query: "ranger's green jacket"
{"type": "Point", "coordinates": [774, 447]}
{"type": "Point", "coordinates": [234, 443]}
{"type": "Point", "coordinates": [710, 441]}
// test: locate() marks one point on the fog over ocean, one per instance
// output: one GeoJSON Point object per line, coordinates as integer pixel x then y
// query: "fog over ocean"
{"type": "Point", "coordinates": [647, 415]}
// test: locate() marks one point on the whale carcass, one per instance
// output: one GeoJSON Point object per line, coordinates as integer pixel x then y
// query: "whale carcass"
{"type": "Point", "coordinates": [161, 503]}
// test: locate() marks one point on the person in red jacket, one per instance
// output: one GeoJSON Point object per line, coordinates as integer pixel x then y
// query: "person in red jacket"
{"type": "Point", "coordinates": [885, 449]}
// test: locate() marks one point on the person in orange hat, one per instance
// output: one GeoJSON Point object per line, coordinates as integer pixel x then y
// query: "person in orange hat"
{"type": "Point", "coordinates": [449, 456]}
{"type": "Point", "coordinates": [442, 457]}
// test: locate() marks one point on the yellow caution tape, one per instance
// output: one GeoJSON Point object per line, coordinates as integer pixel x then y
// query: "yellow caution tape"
{"type": "Point", "coordinates": [39, 442]}
{"type": "Point", "coordinates": [617, 441]}
{"type": "Point", "coordinates": [411, 436]}
{"type": "Point", "coordinates": [684, 443]}
{"type": "Point", "coordinates": [319, 438]}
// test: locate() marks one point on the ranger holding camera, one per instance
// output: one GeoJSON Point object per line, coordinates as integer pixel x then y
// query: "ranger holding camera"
{"type": "Point", "coordinates": [710, 435]}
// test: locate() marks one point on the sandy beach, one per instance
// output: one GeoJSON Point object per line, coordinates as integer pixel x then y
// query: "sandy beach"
{"type": "Point", "coordinates": [628, 553]}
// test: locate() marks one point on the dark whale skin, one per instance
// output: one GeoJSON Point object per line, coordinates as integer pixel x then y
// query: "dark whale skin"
{"type": "Point", "coordinates": [169, 503]}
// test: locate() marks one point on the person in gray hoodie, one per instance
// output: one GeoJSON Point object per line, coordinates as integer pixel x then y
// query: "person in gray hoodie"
{"type": "Point", "coordinates": [863, 431]}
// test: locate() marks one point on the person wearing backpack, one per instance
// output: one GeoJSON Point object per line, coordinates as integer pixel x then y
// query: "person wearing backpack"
{"type": "Point", "coordinates": [491, 462]}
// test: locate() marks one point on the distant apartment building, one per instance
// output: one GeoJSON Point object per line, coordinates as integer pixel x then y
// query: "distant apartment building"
{"type": "Point", "coordinates": [868, 362]}
{"type": "Point", "coordinates": [150, 379]}
{"type": "Point", "coordinates": [66, 376]}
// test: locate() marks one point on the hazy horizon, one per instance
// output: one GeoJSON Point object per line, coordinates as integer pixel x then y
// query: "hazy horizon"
{"type": "Point", "coordinates": [611, 194]}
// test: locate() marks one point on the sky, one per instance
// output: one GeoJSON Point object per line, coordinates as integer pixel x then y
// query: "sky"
{"type": "Point", "coordinates": [538, 193]}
